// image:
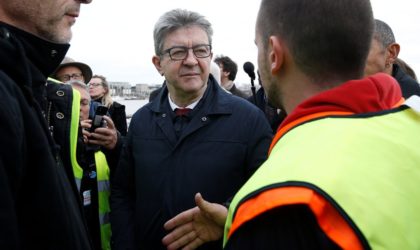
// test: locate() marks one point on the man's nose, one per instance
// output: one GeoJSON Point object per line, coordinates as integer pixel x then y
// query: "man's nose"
{"type": "Point", "coordinates": [190, 58]}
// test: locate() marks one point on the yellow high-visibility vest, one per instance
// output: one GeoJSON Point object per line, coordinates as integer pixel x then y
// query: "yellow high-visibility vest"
{"type": "Point", "coordinates": [366, 166]}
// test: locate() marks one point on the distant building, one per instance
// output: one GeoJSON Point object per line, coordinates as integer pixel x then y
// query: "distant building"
{"type": "Point", "coordinates": [154, 87]}
{"type": "Point", "coordinates": [120, 88]}
{"type": "Point", "coordinates": [142, 90]}
{"type": "Point", "coordinates": [128, 91]}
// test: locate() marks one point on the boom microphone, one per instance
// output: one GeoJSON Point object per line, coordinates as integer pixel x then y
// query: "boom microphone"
{"type": "Point", "coordinates": [249, 69]}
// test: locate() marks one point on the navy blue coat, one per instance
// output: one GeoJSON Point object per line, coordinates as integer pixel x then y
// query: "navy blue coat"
{"type": "Point", "coordinates": [226, 140]}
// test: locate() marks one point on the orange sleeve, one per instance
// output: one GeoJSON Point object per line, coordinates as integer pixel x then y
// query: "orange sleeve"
{"type": "Point", "coordinates": [329, 219]}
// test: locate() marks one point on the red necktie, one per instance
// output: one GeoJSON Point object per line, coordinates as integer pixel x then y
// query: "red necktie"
{"type": "Point", "coordinates": [182, 111]}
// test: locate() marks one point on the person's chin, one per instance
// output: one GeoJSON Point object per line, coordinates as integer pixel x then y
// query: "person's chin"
{"type": "Point", "coordinates": [64, 38]}
{"type": "Point", "coordinates": [63, 31]}
{"type": "Point", "coordinates": [59, 35]}
{"type": "Point", "coordinates": [193, 88]}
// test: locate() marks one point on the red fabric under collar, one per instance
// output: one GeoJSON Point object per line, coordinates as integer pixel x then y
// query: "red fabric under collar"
{"type": "Point", "coordinates": [375, 93]}
{"type": "Point", "coordinates": [371, 94]}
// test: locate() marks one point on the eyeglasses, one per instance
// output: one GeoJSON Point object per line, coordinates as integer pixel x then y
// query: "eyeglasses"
{"type": "Point", "coordinates": [94, 84]}
{"type": "Point", "coordinates": [67, 77]}
{"type": "Point", "coordinates": [179, 53]}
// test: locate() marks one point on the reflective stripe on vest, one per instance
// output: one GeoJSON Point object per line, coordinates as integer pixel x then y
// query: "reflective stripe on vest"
{"type": "Point", "coordinates": [102, 170]}
{"type": "Point", "coordinates": [104, 189]}
{"type": "Point", "coordinates": [74, 130]}
{"type": "Point", "coordinates": [368, 165]}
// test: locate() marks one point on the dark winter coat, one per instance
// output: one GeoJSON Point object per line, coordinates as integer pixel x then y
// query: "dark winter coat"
{"type": "Point", "coordinates": [408, 85]}
{"type": "Point", "coordinates": [58, 114]}
{"type": "Point", "coordinates": [39, 209]}
{"type": "Point", "coordinates": [225, 141]}
{"type": "Point", "coordinates": [119, 117]}
{"type": "Point", "coordinates": [271, 113]}
{"type": "Point", "coordinates": [235, 91]}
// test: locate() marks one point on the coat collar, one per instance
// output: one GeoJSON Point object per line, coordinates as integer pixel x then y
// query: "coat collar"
{"type": "Point", "coordinates": [43, 57]}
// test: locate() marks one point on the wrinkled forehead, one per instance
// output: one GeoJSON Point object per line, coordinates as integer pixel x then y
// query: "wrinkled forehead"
{"type": "Point", "coordinates": [186, 36]}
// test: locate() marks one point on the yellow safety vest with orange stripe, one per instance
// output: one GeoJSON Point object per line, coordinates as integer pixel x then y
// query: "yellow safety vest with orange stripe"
{"type": "Point", "coordinates": [359, 175]}
{"type": "Point", "coordinates": [103, 173]}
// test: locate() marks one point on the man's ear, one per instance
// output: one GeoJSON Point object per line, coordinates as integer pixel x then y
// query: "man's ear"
{"type": "Point", "coordinates": [276, 54]}
{"type": "Point", "coordinates": [156, 61]}
{"type": "Point", "coordinates": [392, 53]}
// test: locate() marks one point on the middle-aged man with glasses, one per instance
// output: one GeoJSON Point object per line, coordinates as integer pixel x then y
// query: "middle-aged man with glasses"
{"type": "Point", "coordinates": [192, 138]}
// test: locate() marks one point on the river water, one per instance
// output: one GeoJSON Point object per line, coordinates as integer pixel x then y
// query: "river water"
{"type": "Point", "coordinates": [131, 106]}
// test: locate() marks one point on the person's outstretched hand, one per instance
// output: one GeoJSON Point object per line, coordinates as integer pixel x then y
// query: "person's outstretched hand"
{"type": "Point", "coordinates": [196, 226]}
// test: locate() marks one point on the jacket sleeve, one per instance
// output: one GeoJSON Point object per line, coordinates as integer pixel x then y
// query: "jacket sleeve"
{"type": "Point", "coordinates": [113, 155]}
{"type": "Point", "coordinates": [119, 117]}
{"type": "Point", "coordinates": [290, 227]}
{"type": "Point", "coordinates": [122, 201]}
{"type": "Point", "coordinates": [259, 141]}
{"type": "Point", "coordinates": [8, 219]}
{"type": "Point", "coordinates": [12, 161]}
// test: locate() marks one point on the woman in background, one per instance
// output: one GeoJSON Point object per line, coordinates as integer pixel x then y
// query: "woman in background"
{"type": "Point", "coordinates": [99, 92]}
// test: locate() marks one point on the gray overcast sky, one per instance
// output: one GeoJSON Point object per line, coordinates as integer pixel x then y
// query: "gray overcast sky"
{"type": "Point", "coordinates": [116, 38]}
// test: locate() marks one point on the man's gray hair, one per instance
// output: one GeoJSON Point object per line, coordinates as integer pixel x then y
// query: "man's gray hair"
{"type": "Point", "coordinates": [176, 19]}
{"type": "Point", "coordinates": [78, 84]}
{"type": "Point", "coordinates": [383, 33]}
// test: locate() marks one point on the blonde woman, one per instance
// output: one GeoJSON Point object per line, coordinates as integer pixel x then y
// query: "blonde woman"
{"type": "Point", "coordinates": [99, 92]}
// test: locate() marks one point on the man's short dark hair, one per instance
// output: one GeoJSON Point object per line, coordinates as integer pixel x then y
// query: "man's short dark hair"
{"type": "Point", "coordinates": [328, 39]}
{"type": "Point", "coordinates": [228, 66]}
{"type": "Point", "coordinates": [383, 33]}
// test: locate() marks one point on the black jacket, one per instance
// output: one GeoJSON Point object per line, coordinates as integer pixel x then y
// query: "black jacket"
{"type": "Point", "coordinates": [119, 117]}
{"type": "Point", "coordinates": [235, 91]}
{"type": "Point", "coordinates": [273, 117]}
{"type": "Point", "coordinates": [408, 85]}
{"type": "Point", "coordinates": [58, 113]}
{"type": "Point", "coordinates": [38, 208]}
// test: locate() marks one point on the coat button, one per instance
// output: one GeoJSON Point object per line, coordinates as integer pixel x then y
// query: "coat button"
{"type": "Point", "coordinates": [53, 53]}
{"type": "Point", "coordinates": [59, 115]}
{"type": "Point", "coordinates": [204, 119]}
{"type": "Point", "coordinates": [4, 33]}
{"type": "Point", "coordinates": [60, 93]}
{"type": "Point", "coordinates": [163, 115]}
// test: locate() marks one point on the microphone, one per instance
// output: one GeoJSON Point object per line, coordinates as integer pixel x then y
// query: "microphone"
{"type": "Point", "coordinates": [249, 69]}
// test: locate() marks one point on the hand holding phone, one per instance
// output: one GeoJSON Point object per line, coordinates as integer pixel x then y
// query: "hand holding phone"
{"type": "Point", "coordinates": [98, 120]}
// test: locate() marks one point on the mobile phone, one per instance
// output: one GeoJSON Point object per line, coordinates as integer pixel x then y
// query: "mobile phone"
{"type": "Point", "coordinates": [98, 120]}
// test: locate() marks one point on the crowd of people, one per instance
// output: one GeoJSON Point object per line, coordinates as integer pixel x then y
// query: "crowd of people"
{"type": "Point", "coordinates": [323, 156]}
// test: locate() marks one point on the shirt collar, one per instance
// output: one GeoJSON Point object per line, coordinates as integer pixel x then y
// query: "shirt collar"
{"type": "Point", "coordinates": [174, 106]}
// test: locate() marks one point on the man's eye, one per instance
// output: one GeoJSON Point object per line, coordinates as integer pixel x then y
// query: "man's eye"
{"type": "Point", "coordinates": [178, 52]}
